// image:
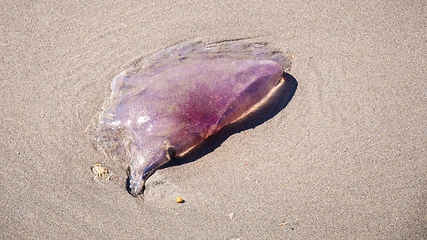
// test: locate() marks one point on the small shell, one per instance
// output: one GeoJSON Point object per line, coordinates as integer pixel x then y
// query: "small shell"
{"type": "Point", "coordinates": [101, 172]}
{"type": "Point", "coordinates": [179, 200]}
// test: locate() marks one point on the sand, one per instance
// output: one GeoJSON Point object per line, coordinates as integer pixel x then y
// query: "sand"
{"type": "Point", "coordinates": [344, 158]}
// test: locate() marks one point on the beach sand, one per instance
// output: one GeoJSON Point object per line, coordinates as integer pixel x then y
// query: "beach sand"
{"type": "Point", "coordinates": [345, 158]}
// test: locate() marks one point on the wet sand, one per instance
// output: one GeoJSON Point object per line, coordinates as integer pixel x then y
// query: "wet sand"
{"type": "Point", "coordinates": [342, 157]}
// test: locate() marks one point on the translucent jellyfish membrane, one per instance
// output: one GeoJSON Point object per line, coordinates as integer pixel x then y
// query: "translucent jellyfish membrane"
{"type": "Point", "coordinates": [178, 97]}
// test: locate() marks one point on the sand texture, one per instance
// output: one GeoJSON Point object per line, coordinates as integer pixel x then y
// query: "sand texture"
{"type": "Point", "coordinates": [341, 155]}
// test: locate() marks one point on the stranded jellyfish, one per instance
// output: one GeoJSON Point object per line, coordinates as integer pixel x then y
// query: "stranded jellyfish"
{"type": "Point", "coordinates": [173, 100]}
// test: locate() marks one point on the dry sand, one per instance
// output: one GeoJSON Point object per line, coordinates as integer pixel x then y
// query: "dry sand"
{"type": "Point", "coordinates": [346, 158]}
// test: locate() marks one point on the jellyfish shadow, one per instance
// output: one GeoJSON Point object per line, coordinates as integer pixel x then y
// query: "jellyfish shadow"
{"type": "Point", "coordinates": [276, 103]}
